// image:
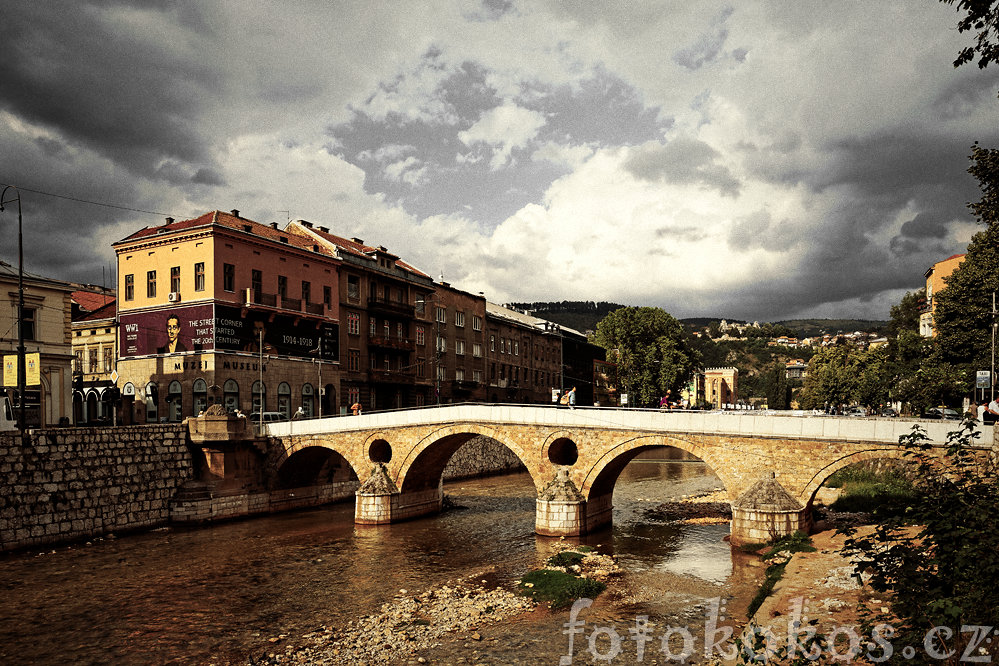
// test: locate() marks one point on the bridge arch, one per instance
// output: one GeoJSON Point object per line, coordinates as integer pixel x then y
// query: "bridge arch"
{"type": "Point", "coordinates": [423, 466]}
{"type": "Point", "coordinates": [813, 485]}
{"type": "Point", "coordinates": [600, 478]}
{"type": "Point", "coordinates": [314, 465]}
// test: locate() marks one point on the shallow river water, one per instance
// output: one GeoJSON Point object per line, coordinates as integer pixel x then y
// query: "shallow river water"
{"type": "Point", "coordinates": [217, 594]}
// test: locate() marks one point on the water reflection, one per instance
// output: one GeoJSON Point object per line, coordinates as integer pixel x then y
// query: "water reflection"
{"type": "Point", "coordinates": [189, 596]}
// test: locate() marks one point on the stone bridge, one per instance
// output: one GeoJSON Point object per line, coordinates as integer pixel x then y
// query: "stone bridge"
{"type": "Point", "coordinates": [771, 465]}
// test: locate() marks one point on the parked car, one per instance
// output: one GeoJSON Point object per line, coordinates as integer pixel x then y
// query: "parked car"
{"type": "Point", "coordinates": [889, 412]}
{"type": "Point", "coordinates": [269, 417]}
{"type": "Point", "coordinates": [855, 411]}
{"type": "Point", "coordinates": [942, 413]}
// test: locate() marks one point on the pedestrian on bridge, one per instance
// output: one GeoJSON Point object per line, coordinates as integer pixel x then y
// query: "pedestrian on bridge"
{"type": "Point", "coordinates": [572, 398]}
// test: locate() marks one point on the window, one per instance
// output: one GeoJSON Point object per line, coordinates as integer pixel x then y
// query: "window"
{"type": "Point", "coordinates": [28, 323]}
{"type": "Point", "coordinates": [257, 283]}
{"type": "Point", "coordinates": [387, 329]}
{"type": "Point", "coordinates": [476, 323]}
{"type": "Point", "coordinates": [282, 287]}
{"type": "Point", "coordinates": [477, 376]}
{"type": "Point", "coordinates": [459, 319]}
{"type": "Point", "coordinates": [492, 343]}
{"type": "Point", "coordinates": [327, 296]}
{"type": "Point", "coordinates": [441, 343]}
{"type": "Point", "coordinates": [353, 360]}
{"type": "Point", "coordinates": [259, 393]}
{"type": "Point", "coordinates": [175, 278]}
{"type": "Point", "coordinates": [199, 276]}
{"type": "Point", "coordinates": [441, 373]}
{"type": "Point", "coordinates": [129, 287]}
{"type": "Point", "coordinates": [306, 291]}
{"type": "Point", "coordinates": [284, 399]}
{"type": "Point", "coordinates": [151, 284]}
{"type": "Point", "coordinates": [108, 358]}
{"type": "Point", "coordinates": [354, 395]}
{"type": "Point", "coordinates": [373, 327]}
{"type": "Point", "coordinates": [441, 315]}
{"type": "Point", "coordinates": [353, 288]}
{"type": "Point", "coordinates": [229, 277]}
{"type": "Point", "coordinates": [175, 402]}
{"type": "Point", "coordinates": [516, 347]}
{"type": "Point", "coordinates": [230, 395]}
{"type": "Point", "coordinates": [421, 304]}
{"type": "Point", "coordinates": [78, 362]}
{"type": "Point", "coordinates": [152, 403]}
{"type": "Point", "coordinates": [399, 330]}
{"type": "Point", "coordinates": [459, 374]}
{"type": "Point", "coordinates": [420, 336]}
{"type": "Point", "coordinates": [200, 393]}
{"type": "Point", "coordinates": [308, 394]}
{"type": "Point", "coordinates": [459, 347]}
{"type": "Point", "coordinates": [509, 346]}
{"type": "Point", "coordinates": [353, 323]}
{"type": "Point", "coordinates": [421, 368]}
{"type": "Point", "coordinates": [477, 349]}
{"type": "Point", "coordinates": [502, 345]}
{"type": "Point", "coordinates": [92, 356]}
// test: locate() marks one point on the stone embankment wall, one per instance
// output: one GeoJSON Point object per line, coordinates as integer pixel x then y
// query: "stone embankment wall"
{"type": "Point", "coordinates": [73, 483]}
{"type": "Point", "coordinates": [481, 456]}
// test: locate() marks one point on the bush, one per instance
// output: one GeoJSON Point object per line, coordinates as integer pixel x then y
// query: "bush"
{"type": "Point", "coordinates": [565, 559]}
{"type": "Point", "coordinates": [943, 573]}
{"type": "Point", "coordinates": [558, 588]}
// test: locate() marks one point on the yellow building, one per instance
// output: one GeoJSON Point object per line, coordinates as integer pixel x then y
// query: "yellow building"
{"type": "Point", "coordinates": [94, 349]}
{"type": "Point", "coordinates": [47, 308]}
{"type": "Point", "coordinates": [221, 309]}
{"type": "Point", "coordinates": [935, 283]}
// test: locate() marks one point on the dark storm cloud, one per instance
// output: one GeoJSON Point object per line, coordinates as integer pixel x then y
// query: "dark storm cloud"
{"type": "Point", "coordinates": [457, 178]}
{"type": "Point", "coordinates": [760, 230]}
{"type": "Point", "coordinates": [925, 225]}
{"type": "Point", "coordinates": [683, 161]}
{"type": "Point", "coordinates": [120, 91]}
{"type": "Point", "coordinates": [707, 46]}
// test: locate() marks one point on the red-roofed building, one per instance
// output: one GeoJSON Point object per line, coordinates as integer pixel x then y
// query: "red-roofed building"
{"type": "Point", "coordinates": [94, 339]}
{"type": "Point", "coordinates": [222, 309]}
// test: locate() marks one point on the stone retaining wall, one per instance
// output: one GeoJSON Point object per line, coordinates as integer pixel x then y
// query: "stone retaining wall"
{"type": "Point", "coordinates": [73, 483]}
{"type": "Point", "coordinates": [481, 456]}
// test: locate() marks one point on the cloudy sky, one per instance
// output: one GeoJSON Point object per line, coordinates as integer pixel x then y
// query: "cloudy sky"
{"type": "Point", "coordinates": [755, 160]}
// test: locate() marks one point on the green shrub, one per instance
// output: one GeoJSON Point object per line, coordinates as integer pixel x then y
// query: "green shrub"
{"type": "Point", "coordinates": [558, 588]}
{"type": "Point", "coordinates": [565, 559]}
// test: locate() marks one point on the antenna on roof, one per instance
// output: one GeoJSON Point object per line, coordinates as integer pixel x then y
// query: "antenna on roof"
{"type": "Point", "coordinates": [287, 214]}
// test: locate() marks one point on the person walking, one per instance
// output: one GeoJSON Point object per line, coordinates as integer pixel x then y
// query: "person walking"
{"type": "Point", "coordinates": [572, 398]}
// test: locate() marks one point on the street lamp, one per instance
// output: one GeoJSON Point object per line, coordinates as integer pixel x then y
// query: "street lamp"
{"type": "Point", "coordinates": [20, 307]}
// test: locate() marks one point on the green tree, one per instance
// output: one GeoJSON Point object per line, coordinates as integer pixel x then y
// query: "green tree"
{"type": "Point", "coordinates": [942, 573]}
{"type": "Point", "coordinates": [905, 315]}
{"type": "Point", "coordinates": [962, 316]}
{"type": "Point", "coordinates": [778, 391]}
{"type": "Point", "coordinates": [651, 349]}
{"type": "Point", "coordinates": [831, 378]}
{"type": "Point", "coordinates": [982, 16]}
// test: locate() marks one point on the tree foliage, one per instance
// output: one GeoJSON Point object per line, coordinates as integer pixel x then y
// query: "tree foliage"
{"type": "Point", "coordinates": [942, 573]}
{"type": "Point", "coordinates": [982, 17]}
{"type": "Point", "coordinates": [651, 349]}
{"type": "Point", "coordinates": [777, 388]}
{"type": "Point", "coordinates": [905, 315]}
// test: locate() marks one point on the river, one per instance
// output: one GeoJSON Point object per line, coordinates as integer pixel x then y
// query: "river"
{"type": "Point", "coordinates": [217, 594]}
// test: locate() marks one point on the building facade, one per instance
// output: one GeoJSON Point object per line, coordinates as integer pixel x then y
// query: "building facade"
{"type": "Point", "coordinates": [46, 326]}
{"type": "Point", "coordinates": [222, 309]}
{"type": "Point", "coordinates": [935, 282]}
{"type": "Point", "coordinates": [523, 357]}
{"type": "Point", "coordinates": [95, 342]}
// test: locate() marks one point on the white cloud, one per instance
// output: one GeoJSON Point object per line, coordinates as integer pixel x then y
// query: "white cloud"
{"type": "Point", "coordinates": [504, 128]}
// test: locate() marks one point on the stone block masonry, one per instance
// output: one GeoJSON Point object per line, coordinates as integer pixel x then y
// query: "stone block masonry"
{"type": "Point", "coordinates": [74, 483]}
{"type": "Point", "coordinates": [481, 456]}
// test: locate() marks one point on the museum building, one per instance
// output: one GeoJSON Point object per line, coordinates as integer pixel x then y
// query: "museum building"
{"type": "Point", "coordinates": [221, 309]}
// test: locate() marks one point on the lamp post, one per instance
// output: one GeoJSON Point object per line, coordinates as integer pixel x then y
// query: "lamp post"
{"type": "Point", "coordinates": [20, 307]}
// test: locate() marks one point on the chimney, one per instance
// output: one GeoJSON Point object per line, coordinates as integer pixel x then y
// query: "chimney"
{"type": "Point", "coordinates": [305, 223]}
{"type": "Point", "coordinates": [235, 212]}
{"type": "Point", "coordinates": [357, 240]}
{"type": "Point", "coordinates": [325, 230]}
{"type": "Point", "coordinates": [169, 220]}
{"type": "Point", "coordinates": [273, 225]}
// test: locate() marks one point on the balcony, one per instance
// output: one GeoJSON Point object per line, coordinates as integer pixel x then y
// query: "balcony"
{"type": "Point", "coordinates": [291, 304]}
{"type": "Point", "coordinates": [387, 306]}
{"type": "Point", "coordinates": [391, 376]}
{"type": "Point", "coordinates": [315, 309]}
{"type": "Point", "coordinates": [403, 344]}
{"type": "Point", "coordinates": [257, 297]}
{"type": "Point", "coordinates": [464, 385]}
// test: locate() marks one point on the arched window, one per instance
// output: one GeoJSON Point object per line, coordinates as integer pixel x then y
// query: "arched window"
{"type": "Point", "coordinates": [92, 414]}
{"type": "Point", "coordinates": [284, 399]}
{"type": "Point", "coordinates": [259, 393]}
{"type": "Point", "coordinates": [200, 393]}
{"type": "Point", "coordinates": [152, 403]}
{"type": "Point", "coordinates": [230, 395]}
{"type": "Point", "coordinates": [308, 400]}
{"type": "Point", "coordinates": [175, 402]}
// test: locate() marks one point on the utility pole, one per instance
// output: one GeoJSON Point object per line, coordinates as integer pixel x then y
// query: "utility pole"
{"type": "Point", "coordinates": [992, 372]}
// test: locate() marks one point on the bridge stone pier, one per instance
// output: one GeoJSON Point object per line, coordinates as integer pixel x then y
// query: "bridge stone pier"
{"type": "Point", "coordinates": [770, 465]}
